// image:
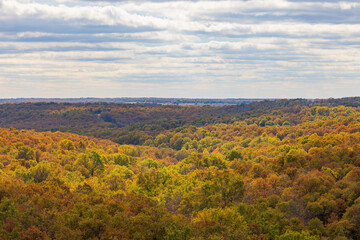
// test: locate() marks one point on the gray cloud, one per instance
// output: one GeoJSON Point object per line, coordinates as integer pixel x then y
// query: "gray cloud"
{"type": "Point", "coordinates": [184, 48]}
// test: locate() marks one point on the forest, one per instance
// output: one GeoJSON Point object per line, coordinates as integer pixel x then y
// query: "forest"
{"type": "Point", "coordinates": [280, 169]}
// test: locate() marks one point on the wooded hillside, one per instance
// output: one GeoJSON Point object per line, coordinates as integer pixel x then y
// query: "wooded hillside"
{"type": "Point", "coordinates": [281, 170]}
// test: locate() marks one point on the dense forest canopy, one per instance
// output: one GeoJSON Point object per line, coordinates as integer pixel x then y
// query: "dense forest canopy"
{"type": "Point", "coordinates": [136, 123]}
{"type": "Point", "coordinates": [284, 169]}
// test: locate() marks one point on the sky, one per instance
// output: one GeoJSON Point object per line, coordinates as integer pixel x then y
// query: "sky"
{"type": "Point", "coordinates": [193, 49]}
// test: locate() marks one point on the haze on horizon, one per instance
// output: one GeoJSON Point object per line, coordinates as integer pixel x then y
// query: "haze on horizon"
{"type": "Point", "coordinates": [193, 49]}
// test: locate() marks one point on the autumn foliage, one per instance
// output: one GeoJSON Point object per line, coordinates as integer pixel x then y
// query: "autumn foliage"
{"type": "Point", "coordinates": [277, 172]}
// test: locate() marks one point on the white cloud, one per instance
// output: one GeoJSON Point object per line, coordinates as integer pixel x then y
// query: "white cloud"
{"type": "Point", "coordinates": [179, 48]}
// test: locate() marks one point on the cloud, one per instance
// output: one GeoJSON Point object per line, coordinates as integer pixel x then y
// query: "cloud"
{"type": "Point", "coordinates": [177, 16]}
{"type": "Point", "coordinates": [179, 48]}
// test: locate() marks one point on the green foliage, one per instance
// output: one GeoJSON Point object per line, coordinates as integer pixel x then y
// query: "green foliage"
{"type": "Point", "coordinates": [290, 235]}
{"type": "Point", "coordinates": [96, 163]}
{"type": "Point", "coordinates": [149, 163]}
{"type": "Point", "coordinates": [120, 159]}
{"type": "Point", "coordinates": [216, 222]}
{"type": "Point", "coordinates": [41, 172]}
{"type": "Point", "coordinates": [246, 143]}
{"type": "Point", "coordinates": [353, 216]}
{"type": "Point", "coordinates": [68, 145]}
{"type": "Point", "coordinates": [316, 226]}
{"type": "Point", "coordinates": [234, 154]}
{"type": "Point", "coordinates": [24, 174]}
{"type": "Point", "coordinates": [24, 152]}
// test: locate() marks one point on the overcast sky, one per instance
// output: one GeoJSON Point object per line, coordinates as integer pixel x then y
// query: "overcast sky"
{"type": "Point", "coordinates": [214, 49]}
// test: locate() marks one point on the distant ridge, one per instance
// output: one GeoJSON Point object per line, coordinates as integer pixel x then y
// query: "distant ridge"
{"type": "Point", "coordinates": [145, 100]}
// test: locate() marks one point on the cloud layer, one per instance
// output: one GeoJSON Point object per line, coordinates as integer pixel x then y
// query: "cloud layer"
{"type": "Point", "coordinates": [253, 48]}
